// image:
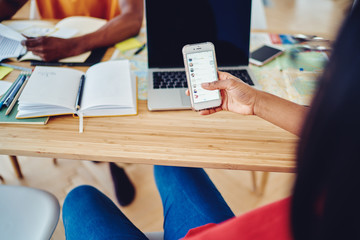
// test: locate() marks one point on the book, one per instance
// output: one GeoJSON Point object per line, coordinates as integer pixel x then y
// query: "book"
{"type": "Point", "coordinates": [95, 57]}
{"type": "Point", "coordinates": [68, 27]}
{"type": "Point", "coordinates": [11, 118]}
{"type": "Point", "coordinates": [109, 89]}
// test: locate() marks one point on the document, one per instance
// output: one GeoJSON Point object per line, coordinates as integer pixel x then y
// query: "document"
{"type": "Point", "coordinates": [68, 27]}
{"type": "Point", "coordinates": [10, 43]}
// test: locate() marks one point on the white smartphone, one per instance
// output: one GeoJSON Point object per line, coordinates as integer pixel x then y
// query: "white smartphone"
{"type": "Point", "coordinates": [265, 54]}
{"type": "Point", "coordinates": [200, 66]}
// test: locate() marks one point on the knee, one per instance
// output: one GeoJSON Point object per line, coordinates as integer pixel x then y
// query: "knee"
{"type": "Point", "coordinates": [159, 169]}
{"type": "Point", "coordinates": [173, 170]}
{"type": "Point", "coordinates": [79, 195]}
{"type": "Point", "coordinates": [81, 192]}
{"type": "Point", "coordinates": [163, 171]}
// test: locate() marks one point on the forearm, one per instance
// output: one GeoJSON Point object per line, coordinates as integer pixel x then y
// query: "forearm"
{"type": "Point", "coordinates": [118, 29]}
{"type": "Point", "coordinates": [9, 7]}
{"type": "Point", "coordinates": [285, 114]}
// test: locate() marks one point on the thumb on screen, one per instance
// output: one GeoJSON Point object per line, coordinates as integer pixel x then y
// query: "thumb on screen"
{"type": "Point", "coordinates": [215, 85]}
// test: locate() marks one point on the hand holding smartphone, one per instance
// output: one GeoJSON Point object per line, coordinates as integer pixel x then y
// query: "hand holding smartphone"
{"type": "Point", "coordinates": [264, 54]}
{"type": "Point", "coordinates": [200, 66]}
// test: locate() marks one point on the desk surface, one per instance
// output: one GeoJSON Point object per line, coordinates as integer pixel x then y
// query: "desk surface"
{"type": "Point", "coordinates": [181, 138]}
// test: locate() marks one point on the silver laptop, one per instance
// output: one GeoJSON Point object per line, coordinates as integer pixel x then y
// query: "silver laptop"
{"type": "Point", "coordinates": [173, 24]}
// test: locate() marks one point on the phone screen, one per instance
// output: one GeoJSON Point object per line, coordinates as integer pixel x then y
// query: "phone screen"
{"type": "Point", "coordinates": [202, 69]}
{"type": "Point", "coordinates": [264, 53]}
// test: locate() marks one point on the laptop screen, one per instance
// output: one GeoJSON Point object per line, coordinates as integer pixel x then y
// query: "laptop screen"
{"type": "Point", "coordinates": [171, 24]}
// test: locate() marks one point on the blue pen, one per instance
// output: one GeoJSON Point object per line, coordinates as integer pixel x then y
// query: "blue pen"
{"type": "Point", "coordinates": [14, 91]}
{"type": "Point", "coordinates": [80, 91]}
{"type": "Point", "coordinates": [6, 95]}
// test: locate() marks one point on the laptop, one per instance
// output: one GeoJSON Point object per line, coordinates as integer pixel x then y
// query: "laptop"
{"type": "Point", "coordinates": [173, 24]}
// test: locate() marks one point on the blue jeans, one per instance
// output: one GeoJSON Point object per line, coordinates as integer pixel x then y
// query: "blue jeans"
{"type": "Point", "coordinates": [189, 200]}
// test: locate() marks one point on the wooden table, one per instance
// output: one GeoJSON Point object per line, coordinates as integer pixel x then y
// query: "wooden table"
{"type": "Point", "coordinates": [181, 138]}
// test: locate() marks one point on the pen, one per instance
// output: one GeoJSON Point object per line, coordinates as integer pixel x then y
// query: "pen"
{"type": "Point", "coordinates": [6, 95]}
{"type": "Point", "coordinates": [16, 67]}
{"type": "Point", "coordinates": [15, 90]}
{"type": "Point", "coordinates": [140, 49]}
{"type": "Point", "coordinates": [79, 95]}
{"type": "Point", "coordinates": [8, 111]}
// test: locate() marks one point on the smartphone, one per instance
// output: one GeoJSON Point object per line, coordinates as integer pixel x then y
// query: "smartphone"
{"type": "Point", "coordinates": [200, 66]}
{"type": "Point", "coordinates": [264, 54]}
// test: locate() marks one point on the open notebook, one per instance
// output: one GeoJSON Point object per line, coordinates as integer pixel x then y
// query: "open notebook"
{"type": "Point", "coordinates": [109, 89]}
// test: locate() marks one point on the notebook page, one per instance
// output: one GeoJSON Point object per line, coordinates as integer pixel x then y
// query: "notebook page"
{"type": "Point", "coordinates": [108, 84]}
{"type": "Point", "coordinates": [82, 24]}
{"type": "Point", "coordinates": [53, 86]}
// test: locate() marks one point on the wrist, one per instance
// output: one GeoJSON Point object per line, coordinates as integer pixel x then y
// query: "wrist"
{"type": "Point", "coordinates": [90, 41]}
{"type": "Point", "coordinates": [258, 99]}
{"type": "Point", "coordinates": [78, 45]}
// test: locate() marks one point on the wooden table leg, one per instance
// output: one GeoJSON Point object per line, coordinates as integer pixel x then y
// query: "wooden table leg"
{"type": "Point", "coordinates": [264, 180]}
{"type": "Point", "coordinates": [253, 176]}
{"type": "Point", "coordinates": [16, 167]}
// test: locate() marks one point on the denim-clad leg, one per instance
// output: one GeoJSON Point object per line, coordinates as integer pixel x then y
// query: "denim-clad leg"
{"type": "Point", "coordinates": [190, 199]}
{"type": "Point", "coordinates": [89, 214]}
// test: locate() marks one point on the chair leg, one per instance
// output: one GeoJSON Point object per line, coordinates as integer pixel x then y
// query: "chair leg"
{"type": "Point", "coordinates": [2, 180]}
{"type": "Point", "coordinates": [16, 167]}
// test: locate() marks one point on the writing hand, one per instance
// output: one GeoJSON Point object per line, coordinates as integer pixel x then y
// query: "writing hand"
{"type": "Point", "coordinates": [237, 96]}
{"type": "Point", "coordinates": [52, 48]}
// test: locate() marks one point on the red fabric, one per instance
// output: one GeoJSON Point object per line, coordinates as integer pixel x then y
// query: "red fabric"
{"type": "Point", "coordinates": [271, 222]}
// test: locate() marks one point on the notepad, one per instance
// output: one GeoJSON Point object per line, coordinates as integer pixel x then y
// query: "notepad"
{"type": "Point", "coordinates": [4, 71]}
{"type": "Point", "coordinates": [128, 44]}
{"type": "Point", "coordinates": [109, 89]}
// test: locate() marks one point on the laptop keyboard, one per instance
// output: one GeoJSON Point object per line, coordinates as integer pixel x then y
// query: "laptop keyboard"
{"type": "Point", "coordinates": [173, 79]}
{"type": "Point", "coordinates": [242, 74]}
{"type": "Point", "coordinates": [177, 79]}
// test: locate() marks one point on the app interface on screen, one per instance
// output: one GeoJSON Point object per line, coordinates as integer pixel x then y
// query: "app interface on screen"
{"type": "Point", "coordinates": [202, 69]}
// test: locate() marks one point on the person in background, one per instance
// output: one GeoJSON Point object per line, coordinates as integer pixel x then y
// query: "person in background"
{"type": "Point", "coordinates": [124, 21]}
{"type": "Point", "coordinates": [325, 201]}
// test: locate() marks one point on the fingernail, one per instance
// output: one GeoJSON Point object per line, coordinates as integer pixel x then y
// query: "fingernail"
{"type": "Point", "coordinates": [205, 84]}
{"type": "Point", "coordinates": [23, 42]}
